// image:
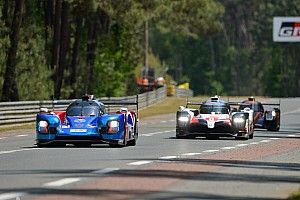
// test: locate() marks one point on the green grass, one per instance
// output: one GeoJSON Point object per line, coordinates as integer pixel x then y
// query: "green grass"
{"type": "Point", "coordinates": [295, 195]}
{"type": "Point", "coordinates": [169, 105]}
{"type": "Point", "coordinates": [18, 127]}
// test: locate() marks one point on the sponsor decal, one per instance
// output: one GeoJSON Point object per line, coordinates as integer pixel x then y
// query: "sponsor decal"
{"type": "Point", "coordinates": [79, 120]}
{"type": "Point", "coordinates": [78, 130]}
{"type": "Point", "coordinates": [286, 29]}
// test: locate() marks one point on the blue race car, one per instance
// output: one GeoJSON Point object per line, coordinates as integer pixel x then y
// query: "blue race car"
{"type": "Point", "coordinates": [86, 122]}
{"type": "Point", "coordinates": [262, 118]}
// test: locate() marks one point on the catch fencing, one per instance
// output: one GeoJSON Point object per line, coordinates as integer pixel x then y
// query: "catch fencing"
{"type": "Point", "coordinates": [18, 113]}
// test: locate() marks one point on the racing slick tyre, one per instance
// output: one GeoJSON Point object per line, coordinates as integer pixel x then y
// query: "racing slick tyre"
{"type": "Point", "coordinates": [251, 136]}
{"type": "Point", "coordinates": [273, 128]}
{"type": "Point", "coordinates": [245, 137]}
{"type": "Point", "coordinates": [136, 135]}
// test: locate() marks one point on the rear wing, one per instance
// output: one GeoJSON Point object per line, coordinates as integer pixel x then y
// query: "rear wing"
{"type": "Point", "coordinates": [250, 104]}
{"type": "Point", "coordinates": [192, 103]}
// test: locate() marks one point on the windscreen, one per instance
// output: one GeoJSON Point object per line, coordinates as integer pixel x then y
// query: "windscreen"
{"type": "Point", "coordinates": [208, 109]}
{"type": "Point", "coordinates": [83, 111]}
{"type": "Point", "coordinates": [255, 106]}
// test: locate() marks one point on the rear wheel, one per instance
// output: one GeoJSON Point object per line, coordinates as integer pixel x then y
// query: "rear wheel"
{"type": "Point", "coordinates": [135, 135]}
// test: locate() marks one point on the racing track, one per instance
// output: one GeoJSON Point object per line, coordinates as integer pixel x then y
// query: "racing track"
{"type": "Point", "coordinates": [159, 167]}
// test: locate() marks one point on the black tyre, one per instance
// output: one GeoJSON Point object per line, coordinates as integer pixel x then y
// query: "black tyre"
{"type": "Point", "coordinates": [251, 136]}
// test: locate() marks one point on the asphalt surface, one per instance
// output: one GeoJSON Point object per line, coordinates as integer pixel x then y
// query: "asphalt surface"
{"type": "Point", "coordinates": [159, 166]}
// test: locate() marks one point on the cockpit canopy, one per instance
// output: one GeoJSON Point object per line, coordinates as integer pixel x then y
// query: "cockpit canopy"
{"type": "Point", "coordinates": [85, 108]}
{"type": "Point", "coordinates": [217, 109]}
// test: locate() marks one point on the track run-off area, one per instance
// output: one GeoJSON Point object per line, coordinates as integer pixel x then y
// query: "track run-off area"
{"type": "Point", "coordinates": [159, 166]}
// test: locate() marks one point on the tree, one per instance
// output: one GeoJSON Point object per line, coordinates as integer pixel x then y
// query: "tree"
{"type": "Point", "coordinates": [10, 89]}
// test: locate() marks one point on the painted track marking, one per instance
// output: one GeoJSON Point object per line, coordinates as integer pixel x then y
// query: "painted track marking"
{"type": "Point", "coordinates": [15, 195]}
{"type": "Point", "coordinates": [142, 162]}
{"type": "Point", "coordinates": [254, 143]}
{"type": "Point", "coordinates": [167, 157]}
{"type": "Point", "coordinates": [241, 145]}
{"type": "Point", "coordinates": [291, 135]}
{"type": "Point", "coordinates": [190, 154]}
{"type": "Point", "coordinates": [2, 138]}
{"type": "Point", "coordinates": [155, 133]}
{"type": "Point", "coordinates": [21, 135]}
{"type": "Point", "coordinates": [265, 141]}
{"type": "Point", "coordinates": [18, 150]}
{"type": "Point", "coordinates": [62, 182]}
{"type": "Point", "coordinates": [226, 148]}
{"type": "Point", "coordinates": [105, 171]}
{"type": "Point", "coordinates": [210, 151]}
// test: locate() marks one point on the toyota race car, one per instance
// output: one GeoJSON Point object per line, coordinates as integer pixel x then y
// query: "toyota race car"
{"type": "Point", "coordinates": [265, 119]}
{"type": "Point", "coordinates": [86, 122]}
{"type": "Point", "coordinates": [214, 119]}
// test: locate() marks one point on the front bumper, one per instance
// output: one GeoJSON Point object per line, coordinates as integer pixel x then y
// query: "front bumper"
{"type": "Point", "coordinates": [220, 129]}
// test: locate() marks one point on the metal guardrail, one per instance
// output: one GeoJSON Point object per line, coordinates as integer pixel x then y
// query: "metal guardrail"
{"type": "Point", "coordinates": [18, 113]}
{"type": "Point", "coordinates": [184, 92]}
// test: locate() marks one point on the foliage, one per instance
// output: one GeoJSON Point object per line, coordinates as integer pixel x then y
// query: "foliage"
{"type": "Point", "coordinates": [96, 46]}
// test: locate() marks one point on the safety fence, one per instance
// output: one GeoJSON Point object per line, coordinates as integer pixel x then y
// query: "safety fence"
{"type": "Point", "coordinates": [18, 113]}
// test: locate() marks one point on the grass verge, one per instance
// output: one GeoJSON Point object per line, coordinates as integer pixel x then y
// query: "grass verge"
{"type": "Point", "coordinates": [295, 195]}
{"type": "Point", "coordinates": [169, 105]}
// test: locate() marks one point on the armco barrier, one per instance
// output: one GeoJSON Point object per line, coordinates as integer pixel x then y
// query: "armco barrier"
{"type": "Point", "coordinates": [18, 113]}
{"type": "Point", "coordinates": [184, 92]}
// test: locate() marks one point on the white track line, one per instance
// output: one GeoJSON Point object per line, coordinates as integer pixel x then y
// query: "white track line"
{"type": "Point", "coordinates": [105, 171]}
{"type": "Point", "coordinates": [15, 195]}
{"type": "Point", "coordinates": [291, 135]}
{"type": "Point", "coordinates": [274, 138]}
{"type": "Point", "coordinates": [210, 151]}
{"type": "Point", "coordinates": [190, 154]}
{"type": "Point", "coordinates": [62, 182]}
{"type": "Point", "coordinates": [254, 143]}
{"type": "Point", "coordinates": [265, 141]}
{"type": "Point", "coordinates": [226, 148]}
{"type": "Point", "coordinates": [2, 138]}
{"type": "Point", "coordinates": [142, 162]}
{"type": "Point", "coordinates": [155, 133]}
{"type": "Point", "coordinates": [21, 135]}
{"type": "Point", "coordinates": [241, 145]}
{"type": "Point", "coordinates": [168, 157]}
{"type": "Point", "coordinates": [18, 150]}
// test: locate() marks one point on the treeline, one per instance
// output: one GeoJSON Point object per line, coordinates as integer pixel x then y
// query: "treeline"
{"type": "Point", "coordinates": [241, 58]}
{"type": "Point", "coordinates": [64, 48]}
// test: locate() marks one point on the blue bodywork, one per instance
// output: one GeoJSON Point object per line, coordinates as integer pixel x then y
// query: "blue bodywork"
{"type": "Point", "coordinates": [62, 128]}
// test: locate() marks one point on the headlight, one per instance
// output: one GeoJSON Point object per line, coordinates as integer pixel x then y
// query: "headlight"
{"type": "Point", "coordinates": [43, 127]}
{"type": "Point", "coordinates": [273, 113]}
{"type": "Point", "coordinates": [43, 124]}
{"type": "Point", "coordinates": [238, 120]}
{"type": "Point", "coordinates": [183, 119]}
{"type": "Point", "coordinates": [113, 124]}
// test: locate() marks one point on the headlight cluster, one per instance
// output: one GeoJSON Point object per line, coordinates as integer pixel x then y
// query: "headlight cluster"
{"type": "Point", "coordinates": [43, 126]}
{"type": "Point", "coordinates": [183, 119]}
{"type": "Point", "coordinates": [113, 126]}
{"type": "Point", "coordinates": [239, 120]}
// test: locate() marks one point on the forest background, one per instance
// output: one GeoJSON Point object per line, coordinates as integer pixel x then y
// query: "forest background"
{"type": "Point", "coordinates": [64, 48]}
